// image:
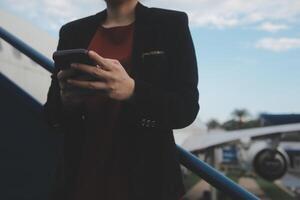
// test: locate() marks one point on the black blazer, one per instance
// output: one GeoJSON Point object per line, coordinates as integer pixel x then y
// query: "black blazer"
{"type": "Point", "coordinates": [165, 96]}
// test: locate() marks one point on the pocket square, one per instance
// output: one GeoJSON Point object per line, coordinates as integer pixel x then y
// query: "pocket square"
{"type": "Point", "coordinates": [156, 52]}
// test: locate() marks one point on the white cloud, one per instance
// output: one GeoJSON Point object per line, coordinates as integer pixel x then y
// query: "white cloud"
{"type": "Point", "coordinates": [271, 27]}
{"type": "Point", "coordinates": [51, 14]}
{"type": "Point", "coordinates": [278, 44]}
{"type": "Point", "coordinates": [228, 13]}
{"type": "Point", "coordinates": [209, 13]}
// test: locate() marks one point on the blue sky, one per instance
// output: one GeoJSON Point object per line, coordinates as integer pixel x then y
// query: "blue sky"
{"type": "Point", "coordinates": [248, 51]}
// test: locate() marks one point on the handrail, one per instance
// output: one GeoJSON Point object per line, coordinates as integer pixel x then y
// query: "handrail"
{"type": "Point", "coordinates": [187, 159]}
{"type": "Point", "coordinates": [212, 176]}
{"type": "Point", "coordinates": [27, 50]}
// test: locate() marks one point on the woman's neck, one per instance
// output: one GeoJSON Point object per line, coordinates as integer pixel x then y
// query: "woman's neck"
{"type": "Point", "coordinates": [119, 14]}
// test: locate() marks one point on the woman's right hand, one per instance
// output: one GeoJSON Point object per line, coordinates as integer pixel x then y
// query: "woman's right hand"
{"type": "Point", "coordinates": [70, 96]}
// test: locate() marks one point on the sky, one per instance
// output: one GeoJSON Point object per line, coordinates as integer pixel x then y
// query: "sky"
{"type": "Point", "coordinates": [248, 52]}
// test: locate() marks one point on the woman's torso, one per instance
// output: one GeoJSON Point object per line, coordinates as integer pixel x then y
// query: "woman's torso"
{"type": "Point", "coordinates": [102, 167]}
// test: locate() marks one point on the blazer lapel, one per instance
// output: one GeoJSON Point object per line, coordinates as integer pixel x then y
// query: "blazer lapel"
{"type": "Point", "coordinates": [89, 29]}
{"type": "Point", "coordinates": [141, 31]}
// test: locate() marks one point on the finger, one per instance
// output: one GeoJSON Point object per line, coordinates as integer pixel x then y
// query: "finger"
{"type": "Point", "coordinates": [64, 74]}
{"type": "Point", "coordinates": [94, 85]}
{"type": "Point", "coordinates": [103, 62]}
{"type": "Point", "coordinates": [92, 70]}
{"type": "Point", "coordinates": [76, 92]}
{"type": "Point", "coordinates": [64, 85]}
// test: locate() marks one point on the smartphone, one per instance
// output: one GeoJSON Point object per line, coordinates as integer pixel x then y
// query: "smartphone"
{"type": "Point", "coordinates": [64, 58]}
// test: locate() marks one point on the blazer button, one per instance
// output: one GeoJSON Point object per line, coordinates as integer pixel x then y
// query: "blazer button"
{"type": "Point", "coordinates": [56, 125]}
{"type": "Point", "coordinates": [153, 123]}
{"type": "Point", "coordinates": [83, 117]}
{"type": "Point", "coordinates": [148, 123]}
{"type": "Point", "coordinates": [143, 121]}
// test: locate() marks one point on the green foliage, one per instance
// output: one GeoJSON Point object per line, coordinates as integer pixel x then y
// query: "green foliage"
{"type": "Point", "coordinates": [190, 180]}
{"type": "Point", "coordinates": [240, 120]}
{"type": "Point", "coordinates": [235, 125]}
{"type": "Point", "coordinates": [213, 124]}
{"type": "Point", "coordinates": [240, 114]}
{"type": "Point", "coordinates": [272, 190]}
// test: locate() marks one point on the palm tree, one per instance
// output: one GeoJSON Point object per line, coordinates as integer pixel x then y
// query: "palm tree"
{"type": "Point", "coordinates": [240, 114]}
{"type": "Point", "coordinates": [213, 124]}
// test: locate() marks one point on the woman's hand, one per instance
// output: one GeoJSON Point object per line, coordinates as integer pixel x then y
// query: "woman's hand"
{"type": "Point", "coordinates": [70, 95]}
{"type": "Point", "coordinates": [110, 75]}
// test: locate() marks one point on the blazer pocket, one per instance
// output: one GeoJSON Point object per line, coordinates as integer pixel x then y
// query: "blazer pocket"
{"type": "Point", "coordinates": [155, 67]}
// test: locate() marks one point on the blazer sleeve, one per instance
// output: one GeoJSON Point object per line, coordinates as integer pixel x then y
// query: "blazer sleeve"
{"type": "Point", "coordinates": [52, 108]}
{"type": "Point", "coordinates": [178, 106]}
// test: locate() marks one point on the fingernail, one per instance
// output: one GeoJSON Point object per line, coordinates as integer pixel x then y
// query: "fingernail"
{"type": "Point", "coordinates": [74, 65]}
{"type": "Point", "coordinates": [92, 52]}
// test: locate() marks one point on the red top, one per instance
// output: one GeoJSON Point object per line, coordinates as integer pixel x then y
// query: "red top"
{"type": "Point", "coordinates": [100, 176]}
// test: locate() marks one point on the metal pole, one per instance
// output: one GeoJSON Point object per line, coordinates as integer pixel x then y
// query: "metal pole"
{"type": "Point", "coordinates": [212, 176]}
{"type": "Point", "coordinates": [36, 56]}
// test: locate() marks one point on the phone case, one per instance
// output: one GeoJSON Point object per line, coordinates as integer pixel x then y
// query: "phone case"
{"type": "Point", "coordinates": [63, 58]}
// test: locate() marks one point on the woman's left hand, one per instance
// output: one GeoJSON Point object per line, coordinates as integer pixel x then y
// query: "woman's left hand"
{"type": "Point", "coordinates": [110, 76]}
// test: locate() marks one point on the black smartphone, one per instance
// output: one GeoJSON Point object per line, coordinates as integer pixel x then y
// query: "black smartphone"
{"type": "Point", "coordinates": [64, 58]}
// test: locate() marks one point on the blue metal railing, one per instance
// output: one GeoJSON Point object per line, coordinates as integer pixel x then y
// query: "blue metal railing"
{"type": "Point", "coordinates": [27, 50]}
{"type": "Point", "coordinates": [187, 159]}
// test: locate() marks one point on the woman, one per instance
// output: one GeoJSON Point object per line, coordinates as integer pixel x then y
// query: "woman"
{"type": "Point", "coordinates": [118, 138]}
